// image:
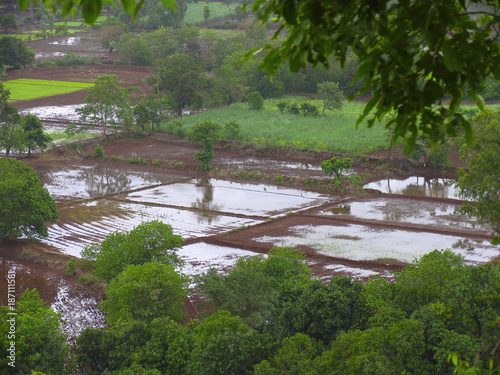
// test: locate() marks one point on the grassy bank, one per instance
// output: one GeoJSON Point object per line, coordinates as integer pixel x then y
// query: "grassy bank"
{"type": "Point", "coordinates": [194, 12]}
{"type": "Point", "coordinates": [269, 128]}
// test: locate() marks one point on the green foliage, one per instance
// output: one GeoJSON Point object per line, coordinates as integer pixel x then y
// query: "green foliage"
{"type": "Point", "coordinates": [332, 96]}
{"type": "Point", "coordinates": [180, 76]}
{"type": "Point", "coordinates": [40, 344]}
{"type": "Point", "coordinates": [25, 206]}
{"type": "Point", "coordinates": [152, 110]}
{"type": "Point", "coordinates": [231, 130]}
{"type": "Point", "coordinates": [71, 267]}
{"type": "Point", "coordinates": [14, 53]}
{"type": "Point", "coordinates": [257, 288]}
{"type": "Point", "coordinates": [296, 356]}
{"type": "Point", "coordinates": [98, 152]}
{"type": "Point", "coordinates": [282, 105]}
{"type": "Point", "coordinates": [11, 133]}
{"type": "Point", "coordinates": [176, 127]}
{"type": "Point", "coordinates": [255, 101]}
{"type": "Point", "coordinates": [336, 166]}
{"type": "Point", "coordinates": [145, 292]}
{"type": "Point", "coordinates": [106, 102]}
{"type": "Point", "coordinates": [322, 311]}
{"type": "Point", "coordinates": [309, 109]}
{"type": "Point", "coordinates": [8, 21]}
{"type": "Point", "coordinates": [146, 242]}
{"type": "Point", "coordinates": [224, 345]}
{"type": "Point", "coordinates": [110, 35]}
{"type": "Point", "coordinates": [161, 345]}
{"type": "Point", "coordinates": [480, 184]}
{"type": "Point", "coordinates": [205, 133]}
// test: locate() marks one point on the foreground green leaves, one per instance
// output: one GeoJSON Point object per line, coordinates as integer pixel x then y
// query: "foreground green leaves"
{"type": "Point", "coordinates": [412, 55]}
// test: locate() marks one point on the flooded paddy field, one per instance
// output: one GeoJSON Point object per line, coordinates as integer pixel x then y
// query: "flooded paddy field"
{"type": "Point", "coordinates": [403, 215]}
{"type": "Point", "coordinates": [223, 219]}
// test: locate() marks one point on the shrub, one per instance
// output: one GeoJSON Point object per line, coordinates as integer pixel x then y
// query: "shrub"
{"type": "Point", "coordinates": [232, 130]}
{"type": "Point", "coordinates": [309, 109]}
{"type": "Point", "coordinates": [282, 105]}
{"type": "Point", "coordinates": [71, 267]}
{"type": "Point", "coordinates": [98, 152]}
{"type": "Point", "coordinates": [255, 101]}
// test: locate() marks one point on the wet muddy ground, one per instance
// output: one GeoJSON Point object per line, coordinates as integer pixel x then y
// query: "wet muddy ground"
{"type": "Point", "coordinates": [405, 212]}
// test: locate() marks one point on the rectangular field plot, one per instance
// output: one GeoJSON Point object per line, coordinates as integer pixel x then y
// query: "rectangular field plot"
{"type": "Point", "coordinates": [27, 89]}
{"type": "Point", "coordinates": [82, 182]}
{"type": "Point", "coordinates": [82, 224]}
{"type": "Point", "coordinates": [405, 210]}
{"type": "Point", "coordinates": [360, 242]}
{"type": "Point", "coordinates": [231, 197]}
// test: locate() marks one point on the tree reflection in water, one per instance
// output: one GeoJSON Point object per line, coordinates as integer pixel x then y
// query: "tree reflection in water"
{"type": "Point", "coordinates": [205, 204]}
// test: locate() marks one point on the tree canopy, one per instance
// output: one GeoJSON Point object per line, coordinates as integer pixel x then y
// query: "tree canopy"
{"type": "Point", "coordinates": [148, 241]}
{"type": "Point", "coordinates": [412, 55]}
{"type": "Point", "coordinates": [25, 205]}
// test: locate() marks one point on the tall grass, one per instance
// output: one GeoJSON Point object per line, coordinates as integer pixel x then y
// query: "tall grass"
{"type": "Point", "coordinates": [335, 131]}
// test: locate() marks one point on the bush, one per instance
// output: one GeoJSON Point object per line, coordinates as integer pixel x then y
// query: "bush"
{"type": "Point", "coordinates": [98, 152]}
{"type": "Point", "coordinates": [282, 105]}
{"type": "Point", "coordinates": [232, 130]}
{"type": "Point", "coordinates": [309, 109]}
{"type": "Point", "coordinates": [255, 101]}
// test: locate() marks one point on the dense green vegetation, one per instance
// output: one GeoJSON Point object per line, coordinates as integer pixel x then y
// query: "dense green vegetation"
{"type": "Point", "coordinates": [25, 205]}
{"type": "Point", "coordinates": [27, 89]}
{"type": "Point", "coordinates": [194, 13]}
{"type": "Point", "coordinates": [270, 128]}
{"type": "Point", "coordinates": [269, 316]}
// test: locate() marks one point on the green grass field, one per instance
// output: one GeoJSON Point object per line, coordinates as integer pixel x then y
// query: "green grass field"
{"type": "Point", "coordinates": [269, 128]}
{"type": "Point", "coordinates": [194, 12]}
{"type": "Point", "coordinates": [27, 89]}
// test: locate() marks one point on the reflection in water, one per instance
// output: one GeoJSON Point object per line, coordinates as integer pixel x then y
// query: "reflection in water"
{"type": "Point", "coordinates": [206, 202]}
{"type": "Point", "coordinates": [343, 209]}
{"type": "Point", "coordinates": [419, 186]}
{"type": "Point", "coordinates": [99, 181]}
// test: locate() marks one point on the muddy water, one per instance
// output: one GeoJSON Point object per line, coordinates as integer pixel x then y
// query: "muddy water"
{"type": "Point", "coordinates": [419, 186]}
{"type": "Point", "coordinates": [407, 211]}
{"type": "Point", "coordinates": [70, 41]}
{"type": "Point", "coordinates": [81, 182]}
{"type": "Point", "coordinates": [231, 197]}
{"type": "Point", "coordinates": [360, 242]}
{"type": "Point", "coordinates": [64, 113]}
{"type": "Point", "coordinates": [90, 222]}
{"type": "Point", "coordinates": [77, 305]}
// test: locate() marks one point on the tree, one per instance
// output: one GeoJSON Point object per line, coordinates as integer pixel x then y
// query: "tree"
{"type": "Point", "coordinates": [480, 183]}
{"type": "Point", "coordinates": [205, 132]}
{"type": "Point", "coordinates": [14, 53]}
{"type": "Point", "coordinates": [133, 49]}
{"type": "Point", "coordinates": [411, 55]}
{"type": "Point", "coordinates": [34, 135]}
{"type": "Point", "coordinates": [152, 110]}
{"type": "Point", "coordinates": [145, 292]}
{"type": "Point", "coordinates": [40, 344]}
{"type": "Point", "coordinates": [332, 96]}
{"type": "Point", "coordinates": [148, 241]}
{"type": "Point", "coordinates": [180, 75]}
{"type": "Point", "coordinates": [8, 21]}
{"type": "Point", "coordinates": [25, 205]}
{"type": "Point", "coordinates": [111, 35]}
{"type": "Point", "coordinates": [257, 288]}
{"type": "Point", "coordinates": [323, 311]}
{"type": "Point", "coordinates": [255, 101]}
{"type": "Point", "coordinates": [224, 345]}
{"type": "Point", "coordinates": [11, 135]}
{"type": "Point", "coordinates": [206, 14]}
{"type": "Point", "coordinates": [107, 102]}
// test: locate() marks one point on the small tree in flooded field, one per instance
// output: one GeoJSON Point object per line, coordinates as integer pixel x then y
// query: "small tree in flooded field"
{"type": "Point", "coordinates": [335, 166]}
{"type": "Point", "coordinates": [205, 132]}
{"type": "Point", "coordinates": [34, 135]}
{"type": "Point", "coordinates": [107, 103]}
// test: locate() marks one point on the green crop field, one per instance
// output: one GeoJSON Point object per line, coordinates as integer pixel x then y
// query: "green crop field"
{"type": "Point", "coordinates": [27, 89]}
{"type": "Point", "coordinates": [194, 12]}
{"type": "Point", "coordinates": [335, 132]}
